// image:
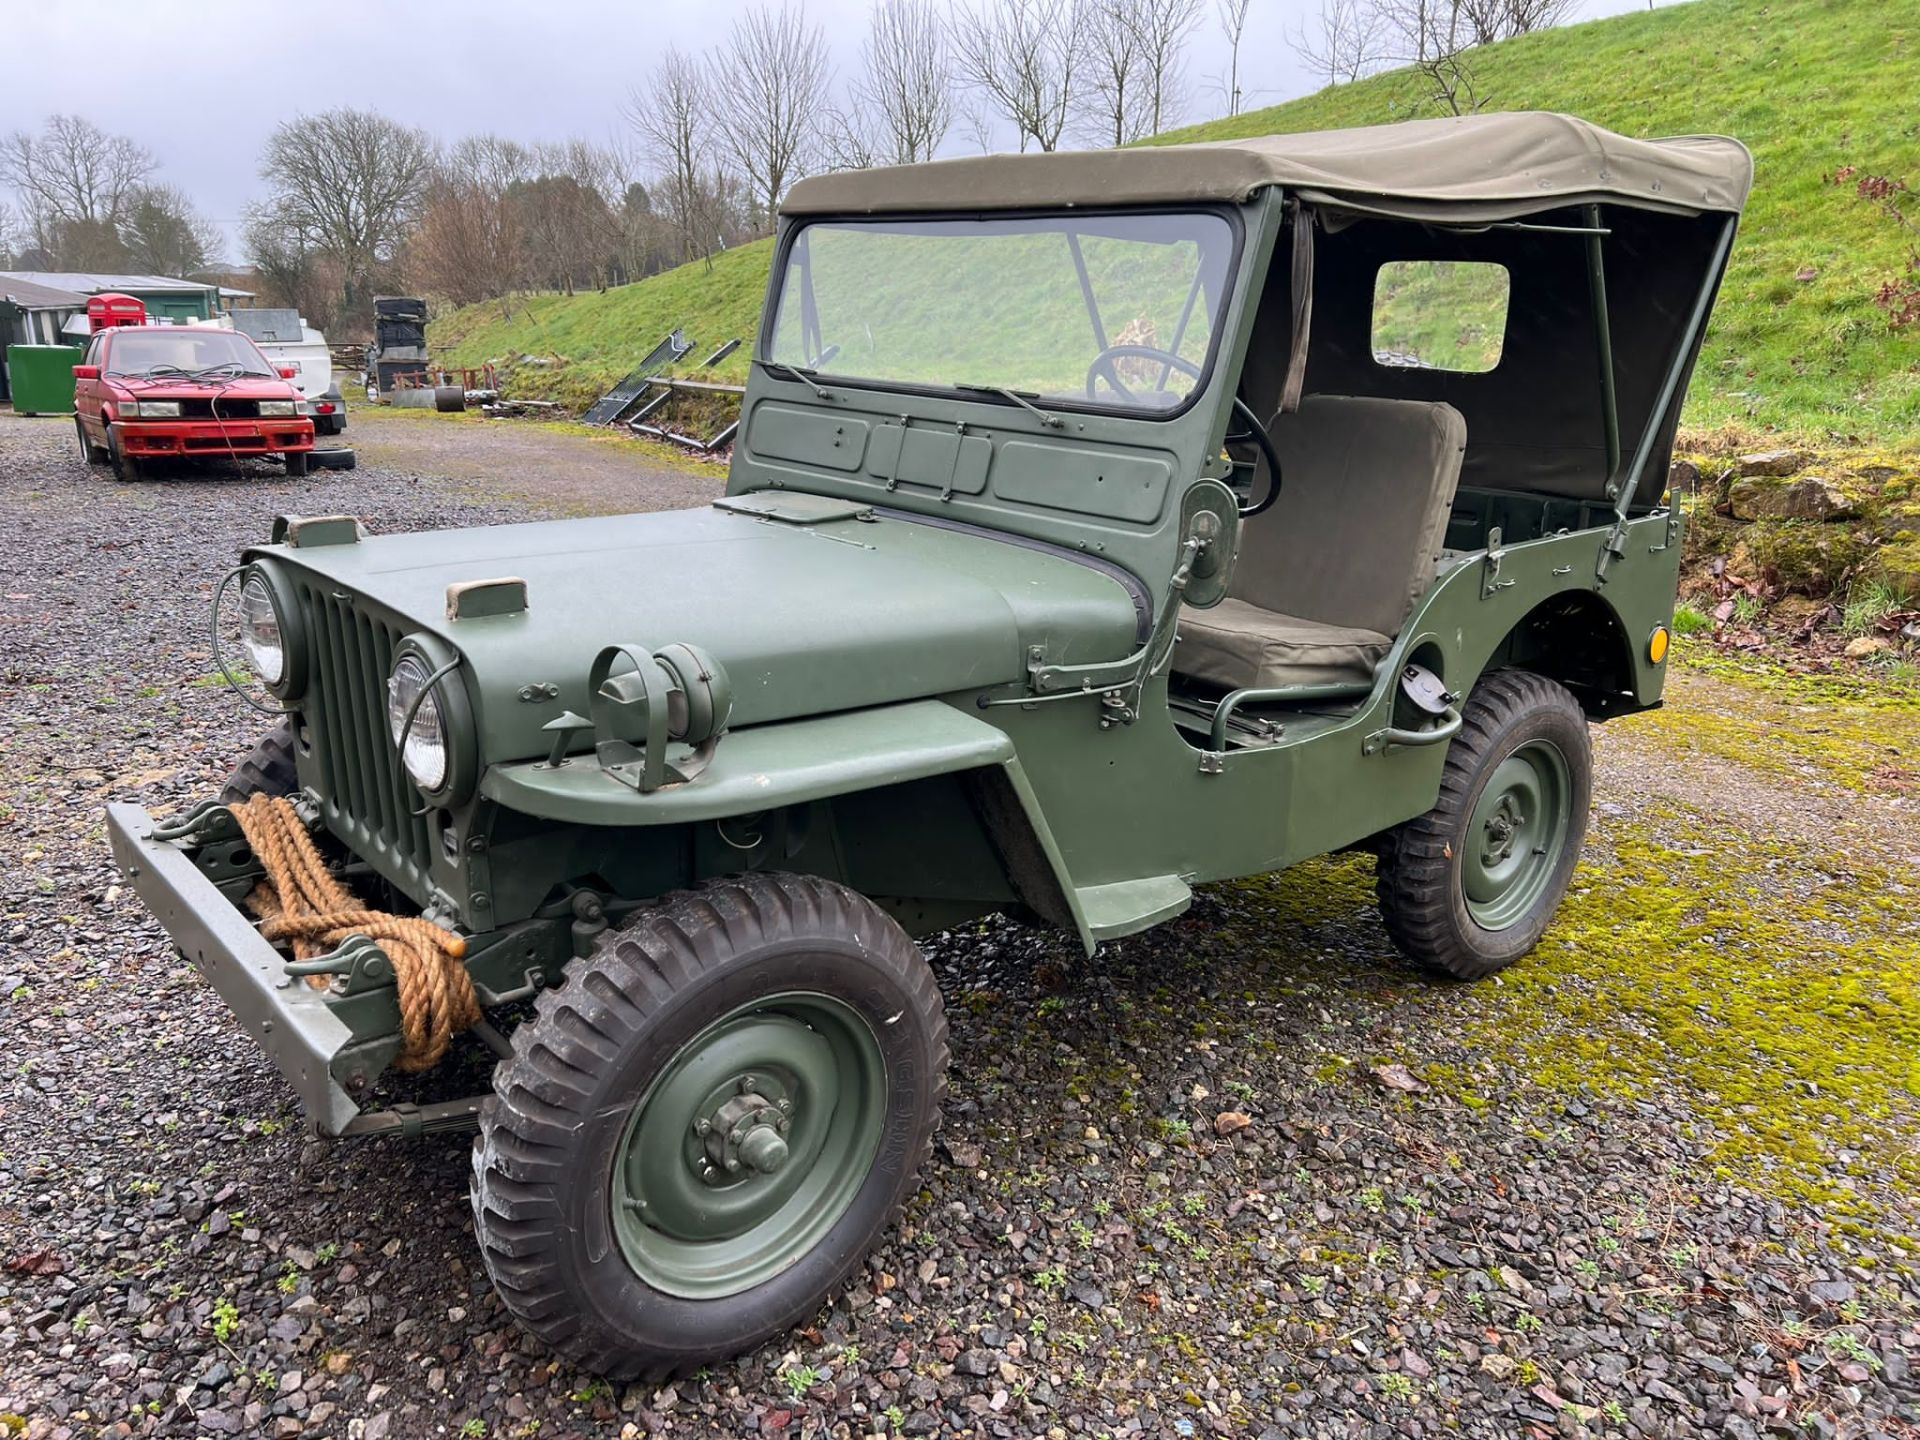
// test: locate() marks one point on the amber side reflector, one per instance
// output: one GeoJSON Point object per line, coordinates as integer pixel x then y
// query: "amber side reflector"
{"type": "Point", "coordinates": [1657, 644]}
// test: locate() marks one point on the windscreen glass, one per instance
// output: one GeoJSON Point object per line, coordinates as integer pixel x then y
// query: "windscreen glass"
{"type": "Point", "coordinates": [1117, 310]}
{"type": "Point", "coordinates": [182, 350]}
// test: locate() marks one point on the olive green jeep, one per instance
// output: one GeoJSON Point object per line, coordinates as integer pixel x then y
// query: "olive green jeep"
{"type": "Point", "coordinates": [1100, 525]}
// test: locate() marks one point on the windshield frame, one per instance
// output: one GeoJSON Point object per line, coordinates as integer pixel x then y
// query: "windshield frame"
{"type": "Point", "coordinates": [791, 231]}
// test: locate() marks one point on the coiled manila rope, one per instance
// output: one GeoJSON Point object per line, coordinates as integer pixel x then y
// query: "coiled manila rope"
{"type": "Point", "coordinates": [301, 903]}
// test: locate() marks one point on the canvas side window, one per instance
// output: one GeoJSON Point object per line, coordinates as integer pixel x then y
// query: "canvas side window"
{"type": "Point", "coordinates": [1440, 314]}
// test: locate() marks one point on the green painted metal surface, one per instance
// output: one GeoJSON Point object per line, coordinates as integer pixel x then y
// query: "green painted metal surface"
{"type": "Point", "coordinates": [40, 378]}
{"type": "Point", "coordinates": [945, 624]}
{"type": "Point", "coordinates": [748, 1148]}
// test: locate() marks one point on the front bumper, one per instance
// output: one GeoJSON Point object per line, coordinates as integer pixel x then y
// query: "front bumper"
{"type": "Point", "coordinates": [147, 438]}
{"type": "Point", "coordinates": [287, 1019]}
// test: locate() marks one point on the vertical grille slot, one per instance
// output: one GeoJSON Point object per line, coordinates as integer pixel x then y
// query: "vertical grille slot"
{"type": "Point", "coordinates": [365, 796]}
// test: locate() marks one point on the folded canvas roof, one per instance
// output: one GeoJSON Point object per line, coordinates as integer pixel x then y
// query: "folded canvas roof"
{"type": "Point", "coordinates": [1458, 170]}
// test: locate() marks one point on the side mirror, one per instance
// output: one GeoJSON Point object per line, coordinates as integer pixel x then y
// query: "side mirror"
{"type": "Point", "coordinates": [86, 372]}
{"type": "Point", "coordinates": [287, 372]}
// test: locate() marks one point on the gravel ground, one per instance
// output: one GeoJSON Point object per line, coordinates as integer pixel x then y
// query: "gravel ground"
{"type": "Point", "coordinates": [1560, 1216]}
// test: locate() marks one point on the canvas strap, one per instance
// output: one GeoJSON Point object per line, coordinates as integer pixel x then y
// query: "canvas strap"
{"type": "Point", "coordinates": [1302, 286]}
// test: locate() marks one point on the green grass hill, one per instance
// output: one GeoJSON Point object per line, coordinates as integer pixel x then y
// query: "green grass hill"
{"type": "Point", "coordinates": [1816, 88]}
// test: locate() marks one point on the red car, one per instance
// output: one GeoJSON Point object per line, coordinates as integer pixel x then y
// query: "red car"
{"type": "Point", "coordinates": [150, 392]}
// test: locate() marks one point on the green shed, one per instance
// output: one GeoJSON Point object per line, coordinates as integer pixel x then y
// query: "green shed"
{"type": "Point", "coordinates": [165, 297]}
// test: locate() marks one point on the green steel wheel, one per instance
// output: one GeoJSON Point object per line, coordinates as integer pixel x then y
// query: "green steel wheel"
{"type": "Point", "coordinates": [1470, 887]}
{"type": "Point", "coordinates": [750, 1147]}
{"type": "Point", "coordinates": [707, 1126]}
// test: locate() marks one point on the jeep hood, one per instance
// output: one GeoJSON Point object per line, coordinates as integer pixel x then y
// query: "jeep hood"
{"type": "Point", "coordinates": [805, 618]}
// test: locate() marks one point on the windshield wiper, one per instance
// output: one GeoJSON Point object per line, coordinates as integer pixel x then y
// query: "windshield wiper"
{"type": "Point", "coordinates": [1021, 398]}
{"type": "Point", "coordinates": [805, 377]}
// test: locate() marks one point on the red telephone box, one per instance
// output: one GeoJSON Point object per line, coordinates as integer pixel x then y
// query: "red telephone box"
{"type": "Point", "coordinates": [105, 312]}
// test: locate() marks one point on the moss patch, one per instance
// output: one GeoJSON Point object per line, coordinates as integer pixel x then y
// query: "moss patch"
{"type": "Point", "coordinates": [1780, 991]}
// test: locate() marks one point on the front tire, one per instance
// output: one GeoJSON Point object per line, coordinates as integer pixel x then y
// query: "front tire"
{"type": "Point", "coordinates": [126, 469]}
{"type": "Point", "coordinates": [90, 453]}
{"type": "Point", "coordinates": [705, 1129]}
{"type": "Point", "coordinates": [1470, 887]}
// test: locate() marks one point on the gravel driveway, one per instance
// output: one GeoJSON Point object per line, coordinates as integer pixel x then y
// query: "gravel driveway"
{"type": "Point", "coordinates": [1243, 1175]}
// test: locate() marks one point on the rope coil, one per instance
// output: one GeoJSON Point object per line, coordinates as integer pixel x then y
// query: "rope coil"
{"type": "Point", "coordinates": [300, 903]}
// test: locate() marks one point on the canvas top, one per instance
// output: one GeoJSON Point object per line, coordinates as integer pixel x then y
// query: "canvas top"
{"type": "Point", "coordinates": [1457, 170]}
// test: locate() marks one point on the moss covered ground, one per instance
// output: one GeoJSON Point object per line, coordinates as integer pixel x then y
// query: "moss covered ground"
{"type": "Point", "coordinates": [1754, 956]}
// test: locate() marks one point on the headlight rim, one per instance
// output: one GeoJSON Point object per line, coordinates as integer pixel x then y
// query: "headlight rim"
{"type": "Point", "coordinates": [292, 683]}
{"type": "Point", "coordinates": [449, 694]}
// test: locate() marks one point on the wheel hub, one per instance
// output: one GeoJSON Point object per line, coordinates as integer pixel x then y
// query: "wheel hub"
{"type": "Point", "coordinates": [749, 1145]}
{"type": "Point", "coordinates": [744, 1133]}
{"type": "Point", "coordinates": [1518, 828]}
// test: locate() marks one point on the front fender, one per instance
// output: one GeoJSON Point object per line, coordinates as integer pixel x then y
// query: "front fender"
{"type": "Point", "coordinates": [793, 762]}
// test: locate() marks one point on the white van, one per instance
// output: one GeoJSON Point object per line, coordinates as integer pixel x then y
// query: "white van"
{"type": "Point", "coordinates": [288, 340]}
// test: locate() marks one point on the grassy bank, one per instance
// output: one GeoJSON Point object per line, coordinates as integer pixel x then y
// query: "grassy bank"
{"type": "Point", "coordinates": [1798, 344]}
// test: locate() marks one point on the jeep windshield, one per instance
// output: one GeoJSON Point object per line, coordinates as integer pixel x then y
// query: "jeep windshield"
{"type": "Point", "coordinates": [183, 350]}
{"type": "Point", "coordinates": [1116, 311]}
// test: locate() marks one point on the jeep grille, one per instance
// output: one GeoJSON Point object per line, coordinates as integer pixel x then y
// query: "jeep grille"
{"type": "Point", "coordinates": [365, 799]}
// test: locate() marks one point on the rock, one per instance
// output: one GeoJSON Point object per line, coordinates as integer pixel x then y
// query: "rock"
{"type": "Point", "coordinates": [1683, 477]}
{"type": "Point", "coordinates": [1862, 646]}
{"type": "Point", "coordinates": [1899, 566]}
{"type": "Point", "coordinates": [1808, 498]}
{"type": "Point", "coordinates": [1771, 462]}
{"type": "Point", "coordinates": [1397, 1077]}
{"type": "Point", "coordinates": [977, 1363]}
{"type": "Point", "coordinates": [1831, 1292]}
{"type": "Point", "coordinates": [1500, 1367]}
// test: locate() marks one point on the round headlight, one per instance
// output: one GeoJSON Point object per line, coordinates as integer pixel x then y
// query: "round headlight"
{"type": "Point", "coordinates": [425, 748]}
{"type": "Point", "coordinates": [260, 630]}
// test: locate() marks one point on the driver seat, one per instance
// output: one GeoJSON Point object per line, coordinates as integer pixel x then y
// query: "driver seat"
{"type": "Point", "coordinates": [1328, 575]}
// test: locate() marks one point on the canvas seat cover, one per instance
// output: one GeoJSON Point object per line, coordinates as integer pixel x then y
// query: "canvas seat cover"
{"type": "Point", "coordinates": [1326, 578]}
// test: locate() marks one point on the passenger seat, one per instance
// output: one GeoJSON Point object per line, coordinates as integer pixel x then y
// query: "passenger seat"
{"type": "Point", "coordinates": [1327, 577]}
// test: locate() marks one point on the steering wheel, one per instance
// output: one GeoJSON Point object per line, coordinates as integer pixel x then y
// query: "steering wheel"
{"type": "Point", "coordinates": [1255, 435]}
{"type": "Point", "coordinates": [1251, 434]}
{"type": "Point", "coordinates": [1103, 367]}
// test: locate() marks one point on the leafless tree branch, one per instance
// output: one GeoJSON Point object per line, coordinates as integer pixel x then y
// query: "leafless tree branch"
{"type": "Point", "coordinates": [773, 71]}
{"type": "Point", "coordinates": [1022, 58]}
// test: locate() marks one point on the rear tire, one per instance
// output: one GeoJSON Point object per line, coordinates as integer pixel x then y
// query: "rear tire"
{"type": "Point", "coordinates": [296, 461]}
{"type": "Point", "coordinates": [634, 1197]}
{"type": "Point", "coordinates": [1470, 887]}
{"type": "Point", "coordinates": [268, 768]}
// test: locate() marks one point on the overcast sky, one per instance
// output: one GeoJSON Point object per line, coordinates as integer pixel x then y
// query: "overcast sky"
{"type": "Point", "coordinates": [201, 83]}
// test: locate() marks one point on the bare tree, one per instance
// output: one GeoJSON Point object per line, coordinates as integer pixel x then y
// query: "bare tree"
{"type": "Point", "coordinates": [670, 118]}
{"type": "Point", "coordinates": [1023, 60]}
{"type": "Point", "coordinates": [905, 83]}
{"type": "Point", "coordinates": [1233, 25]}
{"type": "Point", "coordinates": [1165, 27]}
{"type": "Point", "coordinates": [162, 234]}
{"type": "Point", "coordinates": [351, 182]}
{"type": "Point", "coordinates": [1115, 103]}
{"type": "Point", "coordinates": [773, 70]}
{"type": "Point", "coordinates": [75, 181]}
{"type": "Point", "coordinates": [467, 244]}
{"type": "Point", "coordinates": [1435, 37]}
{"type": "Point", "coordinates": [1492, 20]}
{"type": "Point", "coordinates": [1345, 40]}
{"type": "Point", "coordinates": [293, 272]}
{"type": "Point", "coordinates": [13, 239]}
